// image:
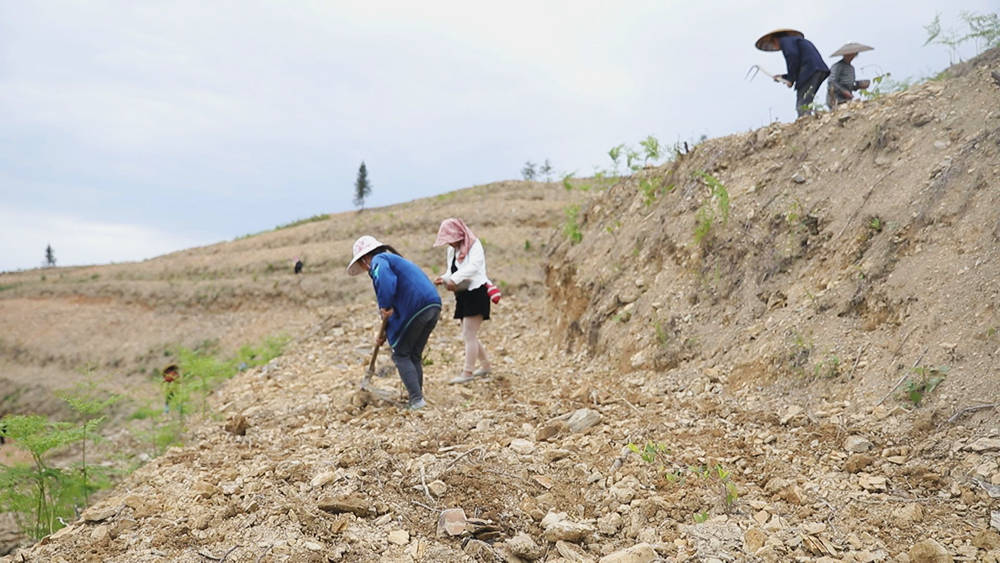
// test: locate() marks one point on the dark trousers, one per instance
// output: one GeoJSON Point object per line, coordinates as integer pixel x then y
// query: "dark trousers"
{"type": "Point", "coordinates": [806, 91]}
{"type": "Point", "coordinates": [409, 351]}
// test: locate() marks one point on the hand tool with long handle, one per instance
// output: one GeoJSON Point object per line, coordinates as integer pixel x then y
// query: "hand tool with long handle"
{"type": "Point", "coordinates": [754, 69]}
{"type": "Point", "coordinates": [366, 381]}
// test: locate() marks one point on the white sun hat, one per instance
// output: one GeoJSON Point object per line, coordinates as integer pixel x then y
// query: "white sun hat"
{"type": "Point", "coordinates": [363, 246]}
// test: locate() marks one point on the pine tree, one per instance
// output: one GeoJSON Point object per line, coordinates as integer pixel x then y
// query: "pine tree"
{"type": "Point", "coordinates": [50, 256]}
{"type": "Point", "coordinates": [362, 187]}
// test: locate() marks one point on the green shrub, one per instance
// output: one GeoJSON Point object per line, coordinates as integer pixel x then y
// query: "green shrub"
{"type": "Point", "coordinates": [926, 380]}
{"type": "Point", "coordinates": [714, 208]}
{"type": "Point", "coordinates": [40, 496]}
{"type": "Point", "coordinates": [88, 402]}
{"type": "Point", "coordinates": [571, 228]}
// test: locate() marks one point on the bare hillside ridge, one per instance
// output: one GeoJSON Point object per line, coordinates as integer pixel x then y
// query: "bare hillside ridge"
{"type": "Point", "coordinates": [859, 244]}
{"type": "Point", "coordinates": [123, 319]}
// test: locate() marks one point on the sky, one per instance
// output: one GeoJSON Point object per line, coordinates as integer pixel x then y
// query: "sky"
{"type": "Point", "coordinates": [132, 129]}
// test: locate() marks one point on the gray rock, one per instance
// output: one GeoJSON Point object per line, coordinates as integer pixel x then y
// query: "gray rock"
{"type": "Point", "coordinates": [609, 524]}
{"type": "Point", "coordinates": [353, 503]}
{"type": "Point", "coordinates": [715, 539]}
{"type": "Point", "coordinates": [583, 419]}
{"type": "Point", "coordinates": [573, 552]}
{"type": "Point", "coordinates": [555, 455]}
{"type": "Point", "coordinates": [479, 549]}
{"type": "Point", "coordinates": [792, 412]}
{"type": "Point", "coordinates": [399, 537]}
{"type": "Point", "coordinates": [857, 444]}
{"type": "Point", "coordinates": [753, 540]}
{"type": "Point", "coordinates": [438, 487]}
{"type": "Point", "coordinates": [983, 445]}
{"type": "Point", "coordinates": [639, 553]}
{"type": "Point", "coordinates": [452, 522]}
{"type": "Point", "coordinates": [322, 479]}
{"type": "Point", "coordinates": [929, 551]}
{"type": "Point", "coordinates": [559, 528]}
{"type": "Point", "coordinates": [522, 446]}
{"type": "Point", "coordinates": [523, 546]}
{"type": "Point", "coordinates": [908, 514]}
{"type": "Point", "coordinates": [99, 514]}
{"type": "Point", "coordinates": [873, 483]}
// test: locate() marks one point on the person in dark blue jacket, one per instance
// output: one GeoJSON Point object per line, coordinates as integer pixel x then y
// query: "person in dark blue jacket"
{"type": "Point", "coordinates": [409, 302]}
{"type": "Point", "coordinates": [805, 67]}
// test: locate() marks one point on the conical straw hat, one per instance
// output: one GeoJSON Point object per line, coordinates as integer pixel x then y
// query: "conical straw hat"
{"type": "Point", "coordinates": [850, 49]}
{"type": "Point", "coordinates": [760, 44]}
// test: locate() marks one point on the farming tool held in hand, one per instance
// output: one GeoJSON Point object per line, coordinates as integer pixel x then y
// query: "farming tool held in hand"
{"type": "Point", "coordinates": [754, 69]}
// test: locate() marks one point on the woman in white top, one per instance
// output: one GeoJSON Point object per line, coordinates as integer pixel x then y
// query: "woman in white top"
{"type": "Point", "coordinates": [465, 274]}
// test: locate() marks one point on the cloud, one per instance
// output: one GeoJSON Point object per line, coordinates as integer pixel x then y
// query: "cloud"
{"type": "Point", "coordinates": [241, 116]}
{"type": "Point", "coordinates": [78, 241]}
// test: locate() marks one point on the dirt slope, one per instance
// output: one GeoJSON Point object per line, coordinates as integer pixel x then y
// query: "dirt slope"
{"type": "Point", "coordinates": [857, 244]}
{"type": "Point", "coordinates": [121, 321]}
{"type": "Point", "coordinates": [752, 362]}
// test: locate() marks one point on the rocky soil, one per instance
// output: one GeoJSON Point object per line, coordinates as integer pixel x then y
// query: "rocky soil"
{"type": "Point", "coordinates": [755, 370]}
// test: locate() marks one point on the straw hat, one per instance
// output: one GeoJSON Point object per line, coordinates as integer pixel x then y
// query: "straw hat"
{"type": "Point", "coordinates": [850, 49]}
{"type": "Point", "coordinates": [363, 246]}
{"type": "Point", "coordinates": [763, 42]}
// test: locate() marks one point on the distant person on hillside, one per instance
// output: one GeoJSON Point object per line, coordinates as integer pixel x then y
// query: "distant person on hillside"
{"type": "Point", "coordinates": [805, 67]}
{"type": "Point", "coordinates": [842, 81]}
{"type": "Point", "coordinates": [465, 275]}
{"type": "Point", "coordinates": [171, 380]}
{"type": "Point", "coordinates": [298, 265]}
{"type": "Point", "coordinates": [407, 299]}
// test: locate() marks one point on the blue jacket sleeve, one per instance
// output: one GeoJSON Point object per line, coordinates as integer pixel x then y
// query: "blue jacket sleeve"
{"type": "Point", "coordinates": [384, 280]}
{"type": "Point", "coordinates": [790, 48]}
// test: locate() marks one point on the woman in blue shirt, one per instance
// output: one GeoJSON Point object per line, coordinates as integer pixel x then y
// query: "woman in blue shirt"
{"type": "Point", "coordinates": [408, 300]}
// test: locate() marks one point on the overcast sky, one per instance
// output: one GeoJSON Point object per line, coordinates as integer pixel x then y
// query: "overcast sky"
{"type": "Point", "coordinates": [130, 129]}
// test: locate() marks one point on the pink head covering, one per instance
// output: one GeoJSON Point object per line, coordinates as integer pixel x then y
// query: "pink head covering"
{"type": "Point", "coordinates": [455, 230]}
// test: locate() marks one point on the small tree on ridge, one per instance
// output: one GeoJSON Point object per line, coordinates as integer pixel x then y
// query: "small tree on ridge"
{"type": "Point", "coordinates": [362, 187]}
{"type": "Point", "coordinates": [50, 256]}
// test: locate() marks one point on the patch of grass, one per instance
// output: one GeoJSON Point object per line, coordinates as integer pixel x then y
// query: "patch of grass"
{"type": "Point", "coordinates": [662, 336]}
{"type": "Point", "coordinates": [799, 351]}
{"type": "Point", "coordinates": [652, 189]}
{"type": "Point", "coordinates": [566, 181]}
{"type": "Point", "coordinates": [925, 380]}
{"type": "Point", "coordinates": [202, 370]}
{"type": "Point", "coordinates": [571, 228]}
{"type": "Point", "coordinates": [829, 367]}
{"type": "Point", "coordinates": [296, 223]}
{"type": "Point", "coordinates": [649, 452]}
{"type": "Point", "coordinates": [715, 208]}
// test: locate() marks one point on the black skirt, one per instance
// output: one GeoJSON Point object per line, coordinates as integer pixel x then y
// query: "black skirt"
{"type": "Point", "coordinates": [471, 303]}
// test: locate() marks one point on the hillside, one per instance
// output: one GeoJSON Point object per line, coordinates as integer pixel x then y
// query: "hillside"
{"type": "Point", "coordinates": [122, 320]}
{"type": "Point", "coordinates": [754, 365]}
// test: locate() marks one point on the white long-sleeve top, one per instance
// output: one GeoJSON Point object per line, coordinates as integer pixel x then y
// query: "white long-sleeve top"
{"type": "Point", "coordinates": [472, 269]}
